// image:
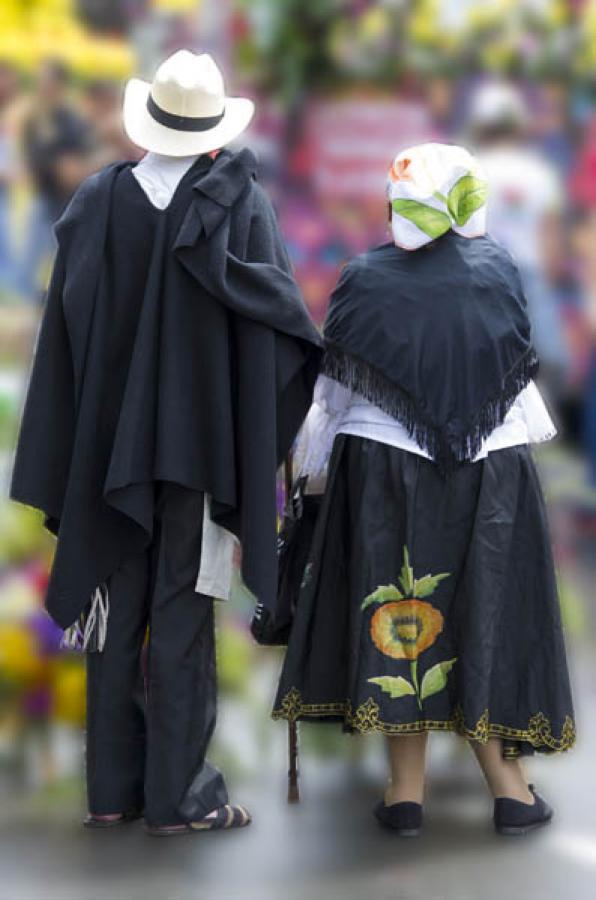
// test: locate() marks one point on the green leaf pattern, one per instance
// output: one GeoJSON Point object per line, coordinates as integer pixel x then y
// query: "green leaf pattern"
{"type": "Point", "coordinates": [431, 221]}
{"type": "Point", "coordinates": [383, 594]}
{"type": "Point", "coordinates": [468, 194]}
{"type": "Point", "coordinates": [425, 586]}
{"type": "Point", "coordinates": [395, 686]}
{"type": "Point", "coordinates": [434, 679]}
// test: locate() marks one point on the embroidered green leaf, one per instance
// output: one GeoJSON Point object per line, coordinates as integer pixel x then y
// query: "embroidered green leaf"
{"type": "Point", "coordinates": [406, 577]}
{"type": "Point", "coordinates": [435, 678]}
{"type": "Point", "coordinates": [431, 221]}
{"type": "Point", "coordinates": [425, 586]}
{"type": "Point", "coordinates": [383, 594]}
{"type": "Point", "coordinates": [395, 686]}
{"type": "Point", "coordinates": [465, 197]}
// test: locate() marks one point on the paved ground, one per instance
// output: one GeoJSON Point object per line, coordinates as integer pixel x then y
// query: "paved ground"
{"type": "Point", "coordinates": [327, 847]}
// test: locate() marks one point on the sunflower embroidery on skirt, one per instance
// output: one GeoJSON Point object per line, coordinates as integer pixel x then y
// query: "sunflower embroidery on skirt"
{"type": "Point", "coordinates": [403, 627]}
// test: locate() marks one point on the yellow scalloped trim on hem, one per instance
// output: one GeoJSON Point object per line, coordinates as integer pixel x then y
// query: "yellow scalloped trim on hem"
{"type": "Point", "coordinates": [366, 719]}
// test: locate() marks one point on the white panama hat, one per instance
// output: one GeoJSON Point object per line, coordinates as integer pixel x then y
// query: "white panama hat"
{"type": "Point", "coordinates": [184, 111]}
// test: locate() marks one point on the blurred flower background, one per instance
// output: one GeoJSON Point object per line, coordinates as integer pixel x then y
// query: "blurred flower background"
{"type": "Point", "coordinates": [341, 86]}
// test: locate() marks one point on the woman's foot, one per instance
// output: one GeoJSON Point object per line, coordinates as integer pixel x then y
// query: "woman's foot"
{"type": "Point", "coordinates": [513, 817]}
{"type": "Point", "coordinates": [110, 820]}
{"type": "Point", "coordinates": [505, 777]}
{"type": "Point", "coordinates": [404, 818]}
{"type": "Point", "coordinates": [224, 818]}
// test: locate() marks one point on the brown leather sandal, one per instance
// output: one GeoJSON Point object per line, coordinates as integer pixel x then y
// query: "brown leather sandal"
{"type": "Point", "coordinates": [226, 817]}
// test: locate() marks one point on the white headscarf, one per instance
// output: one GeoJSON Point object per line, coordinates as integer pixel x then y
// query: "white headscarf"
{"type": "Point", "coordinates": [433, 188]}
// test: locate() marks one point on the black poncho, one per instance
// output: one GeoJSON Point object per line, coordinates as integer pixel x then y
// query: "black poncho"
{"type": "Point", "coordinates": [202, 377]}
{"type": "Point", "coordinates": [438, 338]}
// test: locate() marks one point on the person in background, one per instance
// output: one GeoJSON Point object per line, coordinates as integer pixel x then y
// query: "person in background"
{"type": "Point", "coordinates": [102, 110]}
{"type": "Point", "coordinates": [439, 95]}
{"type": "Point", "coordinates": [525, 215]}
{"type": "Point", "coordinates": [554, 126]}
{"type": "Point", "coordinates": [429, 600]}
{"type": "Point", "coordinates": [583, 193]}
{"type": "Point", "coordinates": [8, 171]}
{"type": "Point", "coordinates": [57, 153]}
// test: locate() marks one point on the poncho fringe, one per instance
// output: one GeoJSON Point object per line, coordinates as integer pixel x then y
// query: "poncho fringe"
{"type": "Point", "coordinates": [89, 631]}
{"type": "Point", "coordinates": [446, 451]}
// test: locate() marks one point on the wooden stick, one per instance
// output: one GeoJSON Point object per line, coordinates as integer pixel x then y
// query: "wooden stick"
{"type": "Point", "coordinates": [293, 789]}
{"type": "Point", "coordinates": [288, 476]}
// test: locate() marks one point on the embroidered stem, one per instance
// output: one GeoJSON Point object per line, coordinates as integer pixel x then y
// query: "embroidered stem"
{"type": "Point", "coordinates": [414, 675]}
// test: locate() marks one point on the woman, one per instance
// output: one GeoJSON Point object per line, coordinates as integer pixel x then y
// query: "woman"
{"type": "Point", "coordinates": [429, 601]}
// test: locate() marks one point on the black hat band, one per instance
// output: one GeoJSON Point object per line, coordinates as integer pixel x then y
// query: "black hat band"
{"type": "Point", "coordinates": [182, 123]}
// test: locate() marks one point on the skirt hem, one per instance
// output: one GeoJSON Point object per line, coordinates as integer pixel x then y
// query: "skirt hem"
{"type": "Point", "coordinates": [366, 719]}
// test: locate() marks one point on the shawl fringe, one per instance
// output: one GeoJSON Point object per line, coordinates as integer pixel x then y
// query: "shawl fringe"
{"type": "Point", "coordinates": [89, 631]}
{"type": "Point", "coordinates": [445, 450]}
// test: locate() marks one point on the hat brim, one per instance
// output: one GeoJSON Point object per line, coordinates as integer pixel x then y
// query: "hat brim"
{"type": "Point", "coordinates": [144, 131]}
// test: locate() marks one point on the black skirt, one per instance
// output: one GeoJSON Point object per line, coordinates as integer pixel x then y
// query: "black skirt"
{"type": "Point", "coordinates": [430, 603]}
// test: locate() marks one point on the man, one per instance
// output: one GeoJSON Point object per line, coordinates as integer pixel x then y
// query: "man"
{"type": "Point", "coordinates": [174, 367]}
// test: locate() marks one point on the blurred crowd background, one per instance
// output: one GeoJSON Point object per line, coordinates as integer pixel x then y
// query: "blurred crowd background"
{"type": "Point", "coordinates": [340, 86]}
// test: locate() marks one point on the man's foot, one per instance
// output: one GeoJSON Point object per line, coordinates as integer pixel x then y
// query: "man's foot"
{"type": "Point", "coordinates": [512, 817]}
{"type": "Point", "coordinates": [404, 818]}
{"type": "Point", "coordinates": [92, 820]}
{"type": "Point", "coordinates": [224, 818]}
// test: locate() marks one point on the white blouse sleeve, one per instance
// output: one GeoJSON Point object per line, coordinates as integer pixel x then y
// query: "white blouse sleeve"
{"type": "Point", "coordinates": [331, 396]}
{"type": "Point", "coordinates": [315, 441]}
{"type": "Point", "coordinates": [540, 426]}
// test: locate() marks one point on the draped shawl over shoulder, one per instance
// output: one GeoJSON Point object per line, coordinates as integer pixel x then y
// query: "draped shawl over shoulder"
{"type": "Point", "coordinates": [438, 338]}
{"type": "Point", "coordinates": [205, 384]}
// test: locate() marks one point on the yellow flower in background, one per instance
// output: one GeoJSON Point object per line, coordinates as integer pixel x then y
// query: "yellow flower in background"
{"type": "Point", "coordinates": [557, 14]}
{"type": "Point", "coordinates": [20, 660]}
{"type": "Point", "coordinates": [32, 31]}
{"type": "Point", "coordinates": [176, 6]}
{"type": "Point", "coordinates": [69, 691]}
{"type": "Point", "coordinates": [484, 16]}
{"type": "Point", "coordinates": [374, 23]}
{"type": "Point", "coordinates": [423, 27]}
{"type": "Point", "coordinates": [402, 630]}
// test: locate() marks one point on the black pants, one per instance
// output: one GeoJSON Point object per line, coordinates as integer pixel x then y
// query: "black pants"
{"type": "Point", "coordinates": [149, 721]}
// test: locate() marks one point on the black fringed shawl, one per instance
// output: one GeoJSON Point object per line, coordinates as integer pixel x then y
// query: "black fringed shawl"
{"type": "Point", "coordinates": [438, 338]}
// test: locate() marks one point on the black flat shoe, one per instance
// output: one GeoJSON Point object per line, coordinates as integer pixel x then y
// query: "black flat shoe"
{"type": "Point", "coordinates": [513, 817]}
{"type": "Point", "coordinates": [405, 818]}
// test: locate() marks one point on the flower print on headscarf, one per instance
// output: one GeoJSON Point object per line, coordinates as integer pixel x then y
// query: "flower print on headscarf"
{"type": "Point", "coordinates": [434, 188]}
{"type": "Point", "coordinates": [399, 169]}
